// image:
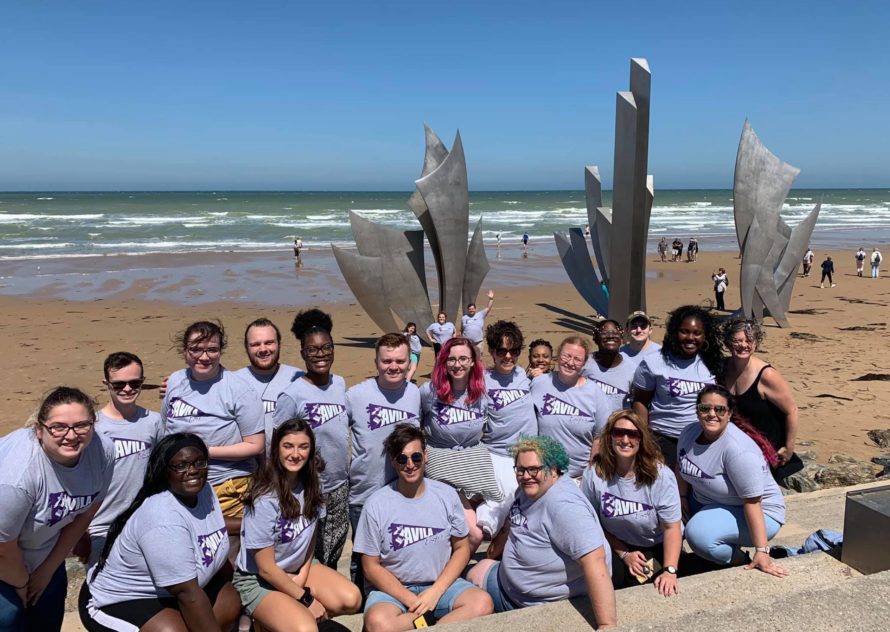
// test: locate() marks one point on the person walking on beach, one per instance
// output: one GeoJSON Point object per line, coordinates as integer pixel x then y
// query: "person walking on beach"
{"type": "Point", "coordinates": [860, 261]}
{"type": "Point", "coordinates": [692, 250]}
{"type": "Point", "coordinates": [827, 271]}
{"type": "Point", "coordinates": [525, 240]}
{"type": "Point", "coordinates": [676, 249]}
{"type": "Point", "coordinates": [875, 263]}
{"type": "Point", "coordinates": [663, 248]}
{"type": "Point", "coordinates": [473, 323]}
{"type": "Point", "coordinates": [808, 259]}
{"type": "Point", "coordinates": [298, 247]}
{"type": "Point", "coordinates": [721, 282]}
{"type": "Point", "coordinates": [440, 332]}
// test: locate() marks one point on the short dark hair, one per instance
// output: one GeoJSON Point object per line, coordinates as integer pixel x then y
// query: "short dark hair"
{"type": "Point", "coordinates": [402, 435]}
{"type": "Point", "coordinates": [262, 322]}
{"type": "Point", "coordinates": [118, 360]}
{"type": "Point", "coordinates": [501, 329]}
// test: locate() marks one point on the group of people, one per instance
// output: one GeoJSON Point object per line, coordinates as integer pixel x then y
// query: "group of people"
{"type": "Point", "coordinates": [875, 259]}
{"type": "Point", "coordinates": [580, 470]}
{"type": "Point", "coordinates": [676, 249]}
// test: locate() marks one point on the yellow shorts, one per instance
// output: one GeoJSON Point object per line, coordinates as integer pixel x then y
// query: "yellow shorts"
{"type": "Point", "coordinates": [230, 494]}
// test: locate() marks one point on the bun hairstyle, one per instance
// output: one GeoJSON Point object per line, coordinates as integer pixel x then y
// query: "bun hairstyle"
{"type": "Point", "coordinates": [63, 395]}
{"type": "Point", "coordinates": [311, 321]}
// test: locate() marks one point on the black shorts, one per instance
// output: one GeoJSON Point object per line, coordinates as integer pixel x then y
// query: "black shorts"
{"type": "Point", "coordinates": [119, 617]}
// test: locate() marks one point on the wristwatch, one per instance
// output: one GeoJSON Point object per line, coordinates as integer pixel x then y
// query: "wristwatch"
{"type": "Point", "coordinates": [670, 569]}
{"type": "Point", "coordinates": [762, 549]}
{"type": "Point", "coordinates": [307, 597]}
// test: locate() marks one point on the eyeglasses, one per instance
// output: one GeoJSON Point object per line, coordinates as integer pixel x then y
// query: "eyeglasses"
{"type": "Point", "coordinates": [416, 458]}
{"type": "Point", "coordinates": [197, 352]}
{"type": "Point", "coordinates": [531, 471]}
{"type": "Point", "coordinates": [513, 351]}
{"type": "Point", "coordinates": [704, 409]}
{"type": "Point", "coordinates": [570, 361]}
{"type": "Point", "coordinates": [464, 360]}
{"type": "Point", "coordinates": [630, 433]}
{"type": "Point", "coordinates": [119, 385]}
{"type": "Point", "coordinates": [184, 466]}
{"type": "Point", "coordinates": [60, 431]}
{"type": "Point", "coordinates": [323, 350]}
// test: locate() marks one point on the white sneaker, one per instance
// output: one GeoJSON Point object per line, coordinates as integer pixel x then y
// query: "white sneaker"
{"type": "Point", "coordinates": [822, 285]}
{"type": "Point", "coordinates": [834, 285]}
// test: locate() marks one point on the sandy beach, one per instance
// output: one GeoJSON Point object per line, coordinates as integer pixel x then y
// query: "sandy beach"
{"type": "Point", "coordinates": [67, 317]}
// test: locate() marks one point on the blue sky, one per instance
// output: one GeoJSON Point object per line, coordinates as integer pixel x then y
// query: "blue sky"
{"type": "Point", "coordinates": [333, 95]}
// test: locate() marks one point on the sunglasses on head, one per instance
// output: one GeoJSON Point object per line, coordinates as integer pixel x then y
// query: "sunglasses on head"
{"type": "Point", "coordinates": [416, 458]}
{"type": "Point", "coordinates": [617, 433]}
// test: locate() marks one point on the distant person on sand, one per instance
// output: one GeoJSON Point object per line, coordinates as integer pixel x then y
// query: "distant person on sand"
{"type": "Point", "coordinates": [440, 332]}
{"type": "Point", "coordinates": [298, 248]}
{"type": "Point", "coordinates": [875, 263]}
{"type": "Point", "coordinates": [676, 249]}
{"type": "Point", "coordinates": [499, 240]}
{"type": "Point", "coordinates": [827, 271]}
{"type": "Point", "coordinates": [525, 240]}
{"type": "Point", "coordinates": [692, 249]}
{"type": "Point", "coordinates": [663, 248]}
{"type": "Point", "coordinates": [721, 282]}
{"type": "Point", "coordinates": [860, 260]}
{"type": "Point", "coordinates": [415, 347]}
{"type": "Point", "coordinates": [808, 258]}
{"type": "Point", "coordinates": [473, 323]}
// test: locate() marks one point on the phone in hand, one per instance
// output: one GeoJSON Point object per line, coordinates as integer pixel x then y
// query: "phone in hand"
{"type": "Point", "coordinates": [425, 620]}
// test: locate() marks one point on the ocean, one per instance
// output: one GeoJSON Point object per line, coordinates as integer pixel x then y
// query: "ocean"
{"type": "Point", "coordinates": [74, 224]}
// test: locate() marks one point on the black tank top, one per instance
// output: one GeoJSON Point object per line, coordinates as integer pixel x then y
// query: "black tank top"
{"type": "Point", "coordinates": [763, 415]}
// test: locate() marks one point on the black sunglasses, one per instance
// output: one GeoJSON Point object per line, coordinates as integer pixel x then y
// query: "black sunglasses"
{"type": "Point", "coordinates": [617, 433]}
{"type": "Point", "coordinates": [416, 458]}
{"type": "Point", "coordinates": [119, 385]}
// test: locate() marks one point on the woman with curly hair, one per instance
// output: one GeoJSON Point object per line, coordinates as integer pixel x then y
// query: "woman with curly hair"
{"type": "Point", "coordinates": [319, 399]}
{"type": "Point", "coordinates": [666, 384]}
{"type": "Point", "coordinates": [278, 584]}
{"type": "Point", "coordinates": [555, 548]}
{"type": "Point", "coordinates": [638, 504]}
{"type": "Point", "coordinates": [453, 406]}
{"type": "Point", "coordinates": [763, 397]}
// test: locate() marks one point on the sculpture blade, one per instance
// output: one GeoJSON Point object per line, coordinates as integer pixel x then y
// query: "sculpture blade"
{"type": "Point", "coordinates": [576, 261]}
{"type": "Point", "coordinates": [364, 276]}
{"type": "Point", "coordinates": [477, 266]}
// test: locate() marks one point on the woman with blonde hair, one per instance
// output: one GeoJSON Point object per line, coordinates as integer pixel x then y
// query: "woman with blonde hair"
{"type": "Point", "coordinates": [638, 503]}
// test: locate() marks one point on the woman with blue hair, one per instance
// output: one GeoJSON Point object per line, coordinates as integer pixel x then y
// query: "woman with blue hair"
{"type": "Point", "coordinates": [555, 547]}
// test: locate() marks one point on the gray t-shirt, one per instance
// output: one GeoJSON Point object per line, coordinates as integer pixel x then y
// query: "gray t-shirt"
{"type": "Point", "coordinates": [133, 439]}
{"type": "Point", "coordinates": [411, 536]}
{"type": "Point", "coordinates": [547, 537]}
{"type": "Point", "coordinates": [511, 411]}
{"type": "Point", "coordinates": [414, 344]}
{"type": "Point", "coordinates": [39, 497]}
{"type": "Point", "coordinates": [222, 411]}
{"type": "Point", "coordinates": [728, 471]}
{"type": "Point", "coordinates": [324, 409]}
{"type": "Point", "coordinates": [264, 526]}
{"type": "Point", "coordinates": [637, 356]}
{"type": "Point", "coordinates": [269, 387]}
{"type": "Point", "coordinates": [574, 416]}
{"type": "Point", "coordinates": [675, 385]}
{"type": "Point", "coordinates": [373, 413]}
{"type": "Point", "coordinates": [164, 543]}
{"type": "Point", "coordinates": [634, 513]}
{"type": "Point", "coordinates": [614, 381]}
{"type": "Point", "coordinates": [471, 326]}
{"type": "Point", "coordinates": [441, 333]}
{"type": "Point", "coordinates": [454, 425]}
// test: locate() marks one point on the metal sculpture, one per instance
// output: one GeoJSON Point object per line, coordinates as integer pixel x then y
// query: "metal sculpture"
{"type": "Point", "coordinates": [617, 286]}
{"type": "Point", "coordinates": [771, 250]}
{"type": "Point", "coordinates": [387, 274]}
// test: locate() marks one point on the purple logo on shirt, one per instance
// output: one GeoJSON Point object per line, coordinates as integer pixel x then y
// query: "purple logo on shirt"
{"type": "Point", "coordinates": [615, 506]}
{"type": "Point", "coordinates": [321, 413]}
{"type": "Point", "coordinates": [690, 468]}
{"type": "Point", "coordinates": [608, 389]}
{"type": "Point", "coordinates": [128, 447]}
{"type": "Point", "coordinates": [402, 535]}
{"type": "Point", "coordinates": [517, 518]}
{"type": "Point", "coordinates": [446, 414]}
{"type": "Point", "coordinates": [180, 408]}
{"type": "Point", "coordinates": [288, 530]}
{"type": "Point", "coordinates": [555, 406]}
{"type": "Point", "coordinates": [62, 505]}
{"type": "Point", "coordinates": [501, 398]}
{"type": "Point", "coordinates": [678, 387]}
{"type": "Point", "coordinates": [379, 416]}
{"type": "Point", "coordinates": [209, 545]}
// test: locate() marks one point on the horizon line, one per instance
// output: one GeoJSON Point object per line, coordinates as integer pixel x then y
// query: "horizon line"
{"type": "Point", "coordinates": [405, 191]}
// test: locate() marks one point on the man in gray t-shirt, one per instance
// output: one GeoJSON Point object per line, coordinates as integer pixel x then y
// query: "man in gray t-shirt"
{"type": "Point", "coordinates": [473, 323]}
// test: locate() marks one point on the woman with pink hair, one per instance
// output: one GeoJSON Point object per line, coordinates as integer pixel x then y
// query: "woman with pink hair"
{"type": "Point", "coordinates": [453, 406]}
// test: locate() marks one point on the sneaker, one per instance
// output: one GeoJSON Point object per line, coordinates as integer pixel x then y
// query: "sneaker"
{"type": "Point", "coordinates": [822, 285]}
{"type": "Point", "coordinates": [834, 285]}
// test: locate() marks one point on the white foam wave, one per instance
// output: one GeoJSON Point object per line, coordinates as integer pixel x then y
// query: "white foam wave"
{"type": "Point", "coordinates": [218, 213]}
{"type": "Point", "coordinates": [35, 246]}
{"type": "Point", "coordinates": [379, 211]}
{"type": "Point", "coordinates": [46, 198]}
{"type": "Point", "coordinates": [143, 220]}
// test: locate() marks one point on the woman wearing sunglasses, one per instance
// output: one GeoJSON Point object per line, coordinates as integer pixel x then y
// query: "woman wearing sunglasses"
{"type": "Point", "coordinates": [607, 368]}
{"type": "Point", "coordinates": [454, 407]}
{"type": "Point", "coordinates": [570, 408]}
{"type": "Point", "coordinates": [164, 563]}
{"type": "Point", "coordinates": [53, 477]}
{"type": "Point", "coordinates": [725, 483]}
{"type": "Point", "coordinates": [638, 504]}
{"type": "Point", "coordinates": [413, 540]}
{"type": "Point", "coordinates": [279, 585]}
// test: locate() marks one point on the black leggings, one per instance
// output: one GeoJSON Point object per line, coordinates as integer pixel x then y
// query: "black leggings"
{"type": "Point", "coordinates": [826, 274]}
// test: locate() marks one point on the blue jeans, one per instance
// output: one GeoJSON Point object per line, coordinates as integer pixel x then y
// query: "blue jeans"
{"type": "Point", "coordinates": [445, 605]}
{"type": "Point", "coordinates": [715, 532]}
{"type": "Point", "coordinates": [45, 616]}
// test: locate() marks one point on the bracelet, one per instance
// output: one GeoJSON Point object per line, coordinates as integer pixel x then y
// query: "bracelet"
{"type": "Point", "coordinates": [623, 554]}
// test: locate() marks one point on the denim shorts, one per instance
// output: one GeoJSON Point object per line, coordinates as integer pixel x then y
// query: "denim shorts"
{"type": "Point", "coordinates": [492, 585]}
{"type": "Point", "coordinates": [446, 603]}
